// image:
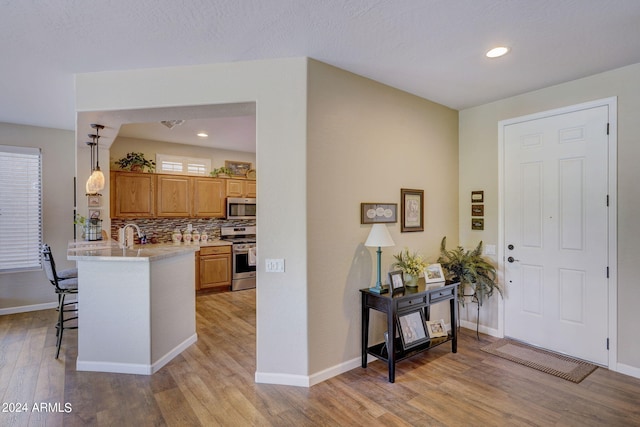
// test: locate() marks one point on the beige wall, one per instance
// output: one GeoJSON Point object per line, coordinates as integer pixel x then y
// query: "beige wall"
{"type": "Point", "coordinates": [366, 141]}
{"type": "Point", "coordinates": [24, 291]}
{"type": "Point", "coordinates": [479, 170]}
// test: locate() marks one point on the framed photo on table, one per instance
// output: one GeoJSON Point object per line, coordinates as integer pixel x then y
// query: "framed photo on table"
{"type": "Point", "coordinates": [433, 273]}
{"type": "Point", "coordinates": [413, 331]}
{"type": "Point", "coordinates": [396, 281]}
{"type": "Point", "coordinates": [412, 210]}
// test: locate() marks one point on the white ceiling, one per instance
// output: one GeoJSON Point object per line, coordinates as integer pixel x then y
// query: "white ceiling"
{"type": "Point", "coordinates": [431, 48]}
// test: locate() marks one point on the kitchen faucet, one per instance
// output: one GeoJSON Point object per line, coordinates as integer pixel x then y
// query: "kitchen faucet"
{"type": "Point", "coordinates": [123, 238]}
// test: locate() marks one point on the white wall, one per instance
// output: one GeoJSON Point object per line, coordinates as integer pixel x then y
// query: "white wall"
{"type": "Point", "coordinates": [28, 290]}
{"type": "Point", "coordinates": [366, 141]}
{"type": "Point", "coordinates": [279, 89]}
{"type": "Point", "coordinates": [479, 170]}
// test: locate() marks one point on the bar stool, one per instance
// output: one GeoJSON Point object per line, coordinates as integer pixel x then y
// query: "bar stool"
{"type": "Point", "coordinates": [65, 283]}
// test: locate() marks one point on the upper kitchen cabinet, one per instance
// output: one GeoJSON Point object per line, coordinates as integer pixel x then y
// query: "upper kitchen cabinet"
{"type": "Point", "coordinates": [132, 195]}
{"type": "Point", "coordinates": [241, 188]}
{"type": "Point", "coordinates": [174, 196]}
{"type": "Point", "coordinates": [208, 198]}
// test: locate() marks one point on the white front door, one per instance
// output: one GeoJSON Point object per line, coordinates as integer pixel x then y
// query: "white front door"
{"type": "Point", "coordinates": [556, 231]}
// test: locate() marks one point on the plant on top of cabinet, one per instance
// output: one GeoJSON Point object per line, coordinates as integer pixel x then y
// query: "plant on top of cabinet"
{"type": "Point", "coordinates": [135, 162]}
{"type": "Point", "coordinates": [221, 172]}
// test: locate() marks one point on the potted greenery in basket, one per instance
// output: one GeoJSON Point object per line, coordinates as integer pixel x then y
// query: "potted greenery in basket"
{"type": "Point", "coordinates": [471, 269]}
{"type": "Point", "coordinates": [221, 172]}
{"type": "Point", "coordinates": [411, 264]}
{"type": "Point", "coordinates": [135, 162]}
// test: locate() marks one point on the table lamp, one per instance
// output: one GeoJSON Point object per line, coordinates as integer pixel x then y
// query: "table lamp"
{"type": "Point", "coordinates": [379, 236]}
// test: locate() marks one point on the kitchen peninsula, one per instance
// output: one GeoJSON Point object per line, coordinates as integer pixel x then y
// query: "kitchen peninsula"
{"type": "Point", "coordinates": [136, 306]}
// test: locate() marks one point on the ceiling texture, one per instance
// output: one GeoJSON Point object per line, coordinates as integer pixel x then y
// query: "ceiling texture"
{"type": "Point", "coordinates": [430, 48]}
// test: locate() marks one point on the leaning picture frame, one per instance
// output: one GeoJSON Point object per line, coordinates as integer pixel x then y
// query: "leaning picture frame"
{"type": "Point", "coordinates": [237, 168]}
{"type": "Point", "coordinates": [433, 273]}
{"type": "Point", "coordinates": [413, 331]}
{"type": "Point", "coordinates": [436, 328]}
{"type": "Point", "coordinates": [396, 281]}
{"type": "Point", "coordinates": [412, 210]}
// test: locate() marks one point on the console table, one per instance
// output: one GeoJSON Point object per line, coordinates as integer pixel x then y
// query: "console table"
{"type": "Point", "coordinates": [420, 298]}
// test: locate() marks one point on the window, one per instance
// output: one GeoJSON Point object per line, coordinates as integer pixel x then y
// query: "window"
{"type": "Point", "coordinates": [182, 165]}
{"type": "Point", "coordinates": [20, 208]}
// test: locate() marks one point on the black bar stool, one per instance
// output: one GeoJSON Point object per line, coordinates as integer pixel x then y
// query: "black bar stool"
{"type": "Point", "coordinates": [66, 283]}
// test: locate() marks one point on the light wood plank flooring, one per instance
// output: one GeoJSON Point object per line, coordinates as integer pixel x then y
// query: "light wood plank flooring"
{"type": "Point", "coordinates": [212, 383]}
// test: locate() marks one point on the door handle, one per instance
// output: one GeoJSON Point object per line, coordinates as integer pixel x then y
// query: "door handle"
{"type": "Point", "coordinates": [512, 259]}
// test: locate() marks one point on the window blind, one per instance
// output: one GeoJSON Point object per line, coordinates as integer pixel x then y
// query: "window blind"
{"type": "Point", "coordinates": [20, 208]}
{"type": "Point", "coordinates": [182, 165]}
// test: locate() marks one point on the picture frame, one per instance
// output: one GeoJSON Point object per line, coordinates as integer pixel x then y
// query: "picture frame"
{"type": "Point", "coordinates": [436, 328]}
{"type": "Point", "coordinates": [412, 328]}
{"type": "Point", "coordinates": [477, 210]}
{"type": "Point", "coordinates": [95, 213]}
{"type": "Point", "coordinates": [94, 201]}
{"type": "Point", "coordinates": [477, 196]}
{"type": "Point", "coordinates": [477, 223]}
{"type": "Point", "coordinates": [412, 210]}
{"type": "Point", "coordinates": [238, 168]}
{"type": "Point", "coordinates": [433, 273]}
{"type": "Point", "coordinates": [371, 213]}
{"type": "Point", "coordinates": [396, 281]}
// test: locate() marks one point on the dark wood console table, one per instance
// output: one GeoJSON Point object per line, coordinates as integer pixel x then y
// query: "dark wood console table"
{"type": "Point", "coordinates": [410, 300]}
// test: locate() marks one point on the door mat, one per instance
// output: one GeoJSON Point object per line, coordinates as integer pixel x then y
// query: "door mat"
{"type": "Point", "coordinates": [543, 360]}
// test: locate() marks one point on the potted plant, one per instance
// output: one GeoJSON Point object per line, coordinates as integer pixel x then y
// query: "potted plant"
{"type": "Point", "coordinates": [221, 172]}
{"type": "Point", "coordinates": [471, 269]}
{"type": "Point", "coordinates": [411, 264]}
{"type": "Point", "coordinates": [135, 162]}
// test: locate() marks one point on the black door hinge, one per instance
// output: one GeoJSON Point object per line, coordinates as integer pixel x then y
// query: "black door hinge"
{"type": "Point", "coordinates": [607, 272]}
{"type": "Point", "coordinates": [607, 128]}
{"type": "Point", "coordinates": [607, 343]}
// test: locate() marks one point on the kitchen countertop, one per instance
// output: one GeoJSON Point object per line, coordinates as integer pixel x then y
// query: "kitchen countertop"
{"type": "Point", "coordinates": [110, 250]}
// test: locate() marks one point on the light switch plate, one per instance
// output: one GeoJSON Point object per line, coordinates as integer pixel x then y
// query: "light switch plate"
{"type": "Point", "coordinates": [274, 265]}
{"type": "Point", "coordinates": [490, 249]}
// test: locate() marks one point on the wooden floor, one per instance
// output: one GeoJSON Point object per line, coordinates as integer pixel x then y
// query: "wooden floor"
{"type": "Point", "coordinates": [212, 383]}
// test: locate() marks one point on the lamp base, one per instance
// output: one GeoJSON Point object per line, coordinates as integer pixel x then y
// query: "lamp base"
{"type": "Point", "coordinates": [379, 290]}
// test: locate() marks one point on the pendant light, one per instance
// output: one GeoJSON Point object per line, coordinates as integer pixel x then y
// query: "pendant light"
{"type": "Point", "coordinates": [95, 182]}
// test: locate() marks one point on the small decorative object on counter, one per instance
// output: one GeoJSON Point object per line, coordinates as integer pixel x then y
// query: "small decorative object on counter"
{"type": "Point", "coordinates": [204, 236]}
{"type": "Point", "coordinates": [176, 237]}
{"type": "Point", "coordinates": [195, 236]}
{"type": "Point", "coordinates": [186, 236]}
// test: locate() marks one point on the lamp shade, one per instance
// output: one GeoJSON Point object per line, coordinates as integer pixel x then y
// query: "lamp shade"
{"type": "Point", "coordinates": [379, 237]}
{"type": "Point", "coordinates": [95, 182]}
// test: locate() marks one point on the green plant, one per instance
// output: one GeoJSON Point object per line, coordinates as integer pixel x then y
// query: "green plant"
{"type": "Point", "coordinates": [80, 220]}
{"type": "Point", "coordinates": [409, 263]}
{"type": "Point", "coordinates": [221, 171]}
{"type": "Point", "coordinates": [135, 160]}
{"type": "Point", "coordinates": [471, 269]}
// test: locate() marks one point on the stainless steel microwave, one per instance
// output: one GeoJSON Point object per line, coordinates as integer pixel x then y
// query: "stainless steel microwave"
{"type": "Point", "coordinates": [241, 208]}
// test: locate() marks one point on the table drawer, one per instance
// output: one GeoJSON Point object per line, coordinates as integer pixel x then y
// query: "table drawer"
{"type": "Point", "coordinates": [443, 294]}
{"type": "Point", "coordinates": [412, 302]}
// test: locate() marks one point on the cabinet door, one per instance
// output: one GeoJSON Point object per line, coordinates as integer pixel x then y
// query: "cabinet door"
{"type": "Point", "coordinates": [208, 198]}
{"type": "Point", "coordinates": [251, 189]}
{"type": "Point", "coordinates": [174, 196]}
{"type": "Point", "coordinates": [235, 188]}
{"type": "Point", "coordinates": [133, 195]}
{"type": "Point", "coordinates": [215, 271]}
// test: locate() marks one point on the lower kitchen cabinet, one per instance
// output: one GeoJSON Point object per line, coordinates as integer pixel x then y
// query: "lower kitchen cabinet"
{"type": "Point", "coordinates": [213, 268]}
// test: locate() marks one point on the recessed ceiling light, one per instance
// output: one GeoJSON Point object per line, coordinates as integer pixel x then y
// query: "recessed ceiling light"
{"type": "Point", "coordinates": [203, 135]}
{"type": "Point", "coordinates": [497, 51]}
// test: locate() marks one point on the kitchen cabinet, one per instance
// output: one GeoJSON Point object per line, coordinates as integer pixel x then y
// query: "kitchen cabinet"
{"type": "Point", "coordinates": [213, 268]}
{"type": "Point", "coordinates": [241, 188]}
{"type": "Point", "coordinates": [208, 198]}
{"type": "Point", "coordinates": [174, 196]}
{"type": "Point", "coordinates": [132, 195]}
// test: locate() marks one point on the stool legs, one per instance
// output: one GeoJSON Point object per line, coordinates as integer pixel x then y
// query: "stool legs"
{"type": "Point", "coordinates": [60, 327]}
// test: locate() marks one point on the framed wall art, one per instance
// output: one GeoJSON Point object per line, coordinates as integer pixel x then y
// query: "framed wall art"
{"type": "Point", "coordinates": [371, 213]}
{"type": "Point", "coordinates": [477, 196]}
{"type": "Point", "coordinates": [413, 331]}
{"type": "Point", "coordinates": [94, 201]}
{"type": "Point", "coordinates": [412, 210]}
{"type": "Point", "coordinates": [238, 168]}
{"type": "Point", "coordinates": [433, 273]}
{"type": "Point", "coordinates": [477, 210]}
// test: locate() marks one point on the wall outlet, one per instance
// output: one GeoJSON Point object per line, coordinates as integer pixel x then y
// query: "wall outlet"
{"type": "Point", "coordinates": [274, 265]}
{"type": "Point", "coordinates": [490, 249]}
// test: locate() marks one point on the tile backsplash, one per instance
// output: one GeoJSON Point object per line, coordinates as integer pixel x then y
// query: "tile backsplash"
{"type": "Point", "coordinates": [158, 230]}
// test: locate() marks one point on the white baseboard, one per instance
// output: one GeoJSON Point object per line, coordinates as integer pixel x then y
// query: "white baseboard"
{"type": "Point", "coordinates": [27, 308]}
{"type": "Point", "coordinates": [282, 379]}
{"type": "Point", "coordinates": [135, 368]}
{"type": "Point", "coordinates": [628, 370]}
{"type": "Point", "coordinates": [482, 329]}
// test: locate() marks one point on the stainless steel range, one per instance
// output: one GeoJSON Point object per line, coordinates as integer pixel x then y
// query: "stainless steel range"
{"type": "Point", "coordinates": [243, 254]}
